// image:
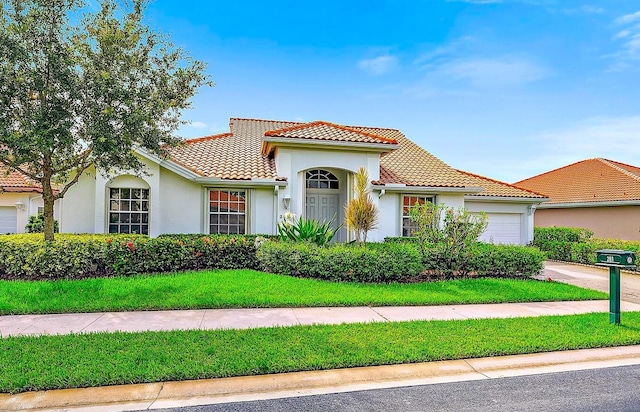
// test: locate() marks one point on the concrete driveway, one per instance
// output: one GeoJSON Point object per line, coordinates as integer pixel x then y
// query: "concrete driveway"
{"type": "Point", "coordinates": [593, 278]}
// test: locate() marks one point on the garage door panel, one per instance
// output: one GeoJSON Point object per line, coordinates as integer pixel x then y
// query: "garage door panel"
{"type": "Point", "coordinates": [503, 228]}
{"type": "Point", "coordinates": [8, 219]}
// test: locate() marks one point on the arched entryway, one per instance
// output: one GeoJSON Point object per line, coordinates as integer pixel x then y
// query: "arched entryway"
{"type": "Point", "coordinates": [323, 203]}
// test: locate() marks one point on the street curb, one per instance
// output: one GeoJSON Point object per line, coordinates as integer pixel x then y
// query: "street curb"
{"type": "Point", "coordinates": [245, 388]}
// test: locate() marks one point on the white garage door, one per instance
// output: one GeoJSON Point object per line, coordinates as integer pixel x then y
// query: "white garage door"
{"type": "Point", "coordinates": [503, 228]}
{"type": "Point", "coordinates": [8, 219]}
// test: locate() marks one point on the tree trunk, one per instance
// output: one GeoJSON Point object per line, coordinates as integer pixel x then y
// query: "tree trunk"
{"type": "Point", "coordinates": [49, 199]}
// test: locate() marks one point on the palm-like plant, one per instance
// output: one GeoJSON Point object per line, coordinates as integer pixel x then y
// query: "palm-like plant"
{"type": "Point", "coordinates": [361, 214]}
{"type": "Point", "coordinates": [307, 230]}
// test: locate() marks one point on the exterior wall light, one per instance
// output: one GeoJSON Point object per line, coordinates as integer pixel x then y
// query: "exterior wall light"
{"type": "Point", "coordinates": [286, 201]}
{"type": "Point", "coordinates": [19, 205]}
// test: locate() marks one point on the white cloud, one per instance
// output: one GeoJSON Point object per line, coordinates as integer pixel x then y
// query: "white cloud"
{"type": "Point", "coordinates": [629, 40]}
{"type": "Point", "coordinates": [628, 18]}
{"type": "Point", "coordinates": [502, 71]}
{"type": "Point", "coordinates": [379, 65]}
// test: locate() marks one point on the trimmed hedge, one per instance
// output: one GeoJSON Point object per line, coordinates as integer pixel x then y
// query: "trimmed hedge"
{"type": "Point", "coordinates": [576, 244]}
{"type": "Point", "coordinates": [29, 257]}
{"type": "Point", "coordinates": [396, 261]}
{"type": "Point", "coordinates": [560, 234]}
{"type": "Point", "coordinates": [373, 262]}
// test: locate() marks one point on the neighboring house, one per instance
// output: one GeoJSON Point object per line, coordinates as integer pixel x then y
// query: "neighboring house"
{"type": "Point", "coordinates": [243, 181]}
{"type": "Point", "coordinates": [598, 194]}
{"type": "Point", "coordinates": [20, 197]}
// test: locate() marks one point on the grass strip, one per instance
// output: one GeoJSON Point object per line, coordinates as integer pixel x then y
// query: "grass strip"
{"type": "Point", "coordinates": [54, 362]}
{"type": "Point", "coordinates": [252, 289]}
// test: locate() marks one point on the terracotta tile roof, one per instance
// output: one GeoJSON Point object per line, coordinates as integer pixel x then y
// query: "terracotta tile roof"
{"type": "Point", "coordinates": [16, 182]}
{"type": "Point", "coordinates": [237, 155]}
{"type": "Point", "coordinates": [496, 188]}
{"type": "Point", "coordinates": [592, 180]}
{"type": "Point", "coordinates": [328, 132]}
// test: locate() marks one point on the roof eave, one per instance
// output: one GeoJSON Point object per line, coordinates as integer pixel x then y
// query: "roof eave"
{"type": "Point", "coordinates": [168, 164]}
{"type": "Point", "coordinates": [270, 141]}
{"type": "Point", "coordinates": [402, 188]}
{"type": "Point", "coordinates": [608, 203]}
{"type": "Point", "coordinates": [508, 199]}
{"type": "Point", "coordinates": [244, 183]}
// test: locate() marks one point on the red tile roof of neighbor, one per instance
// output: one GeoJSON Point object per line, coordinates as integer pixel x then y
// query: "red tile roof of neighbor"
{"type": "Point", "coordinates": [592, 180]}
{"type": "Point", "coordinates": [238, 155]}
{"type": "Point", "coordinates": [16, 182]}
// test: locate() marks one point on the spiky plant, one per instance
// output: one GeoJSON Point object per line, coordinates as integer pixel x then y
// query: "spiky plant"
{"type": "Point", "coordinates": [361, 214]}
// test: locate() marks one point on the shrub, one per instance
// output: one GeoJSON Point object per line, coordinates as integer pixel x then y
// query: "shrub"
{"type": "Point", "coordinates": [561, 234]}
{"type": "Point", "coordinates": [447, 240]}
{"type": "Point", "coordinates": [306, 230]}
{"type": "Point", "coordinates": [361, 214]}
{"type": "Point", "coordinates": [506, 260]}
{"type": "Point", "coordinates": [77, 256]}
{"type": "Point", "coordinates": [35, 224]}
{"type": "Point", "coordinates": [371, 262]}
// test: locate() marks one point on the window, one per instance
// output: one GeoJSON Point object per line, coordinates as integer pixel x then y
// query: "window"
{"type": "Point", "coordinates": [409, 227]}
{"type": "Point", "coordinates": [41, 210]}
{"type": "Point", "coordinates": [129, 211]}
{"type": "Point", "coordinates": [227, 211]}
{"type": "Point", "coordinates": [321, 179]}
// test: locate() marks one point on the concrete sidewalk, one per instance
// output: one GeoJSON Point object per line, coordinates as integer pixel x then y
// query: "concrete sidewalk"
{"type": "Point", "coordinates": [209, 319]}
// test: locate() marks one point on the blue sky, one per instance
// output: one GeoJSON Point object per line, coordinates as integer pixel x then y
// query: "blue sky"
{"type": "Point", "coordinates": [502, 88]}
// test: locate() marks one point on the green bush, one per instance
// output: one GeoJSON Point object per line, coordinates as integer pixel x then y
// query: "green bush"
{"type": "Point", "coordinates": [77, 256]}
{"type": "Point", "coordinates": [561, 234]}
{"type": "Point", "coordinates": [35, 224]}
{"type": "Point", "coordinates": [506, 261]}
{"type": "Point", "coordinates": [371, 262]}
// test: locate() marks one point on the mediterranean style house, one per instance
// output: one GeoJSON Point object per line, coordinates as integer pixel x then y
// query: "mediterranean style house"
{"type": "Point", "coordinates": [20, 197]}
{"type": "Point", "coordinates": [243, 181]}
{"type": "Point", "coordinates": [598, 194]}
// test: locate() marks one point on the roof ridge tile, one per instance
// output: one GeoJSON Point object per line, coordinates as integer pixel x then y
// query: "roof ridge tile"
{"type": "Point", "coordinates": [278, 132]}
{"type": "Point", "coordinates": [210, 137]}
{"type": "Point", "coordinates": [622, 170]}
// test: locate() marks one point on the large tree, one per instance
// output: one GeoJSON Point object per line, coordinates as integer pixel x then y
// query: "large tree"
{"type": "Point", "coordinates": [81, 88]}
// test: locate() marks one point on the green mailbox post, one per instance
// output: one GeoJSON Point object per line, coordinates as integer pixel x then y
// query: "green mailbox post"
{"type": "Point", "coordinates": [614, 260]}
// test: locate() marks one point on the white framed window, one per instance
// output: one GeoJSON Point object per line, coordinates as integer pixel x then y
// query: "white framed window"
{"type": "Point", "coordinates": [408, 227]}
{"type": "Point", "coordinates": [227, 211]}
{"type": "Point", "coordinates": [41, 210]}
{"type": "Point", "coordinates": [129, 210]}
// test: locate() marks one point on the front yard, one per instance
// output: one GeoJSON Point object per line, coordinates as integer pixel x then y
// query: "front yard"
{"type": "Point", "coordinates": [251, 289]}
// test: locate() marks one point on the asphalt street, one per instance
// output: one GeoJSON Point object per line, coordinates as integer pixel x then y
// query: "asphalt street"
{"type": "Point", "coordinates": [608, 389]}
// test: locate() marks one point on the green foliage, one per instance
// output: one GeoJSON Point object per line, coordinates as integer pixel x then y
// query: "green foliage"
{"type": "Point", "coordinates": [447, 236]}
{"type": "Point", "coordinates": [560, 234]}
{"type": "Point", "coordinates": [78, 256]}
{"type": "Point", "coordinates": [81, 88]}
{"type": "Point", "coordinates": [35, 224]}
{"type": "Point", "coordinates": [306, 230]}
{"type": "Point", "coordinates": [361, 214]}
{"type": "Point", "coordinates": [576, 244]}
{"type": "Point", "coordinates": [381, 262]}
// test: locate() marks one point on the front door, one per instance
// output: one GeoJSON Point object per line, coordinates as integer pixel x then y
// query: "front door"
{"type": "Point", "coordinates": [323, 198]}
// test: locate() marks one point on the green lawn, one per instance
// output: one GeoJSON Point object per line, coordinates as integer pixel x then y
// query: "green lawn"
{"type": "Point", "coordinates": [51, 362]}
{"type": "Point", "coordinates": [250, 289]}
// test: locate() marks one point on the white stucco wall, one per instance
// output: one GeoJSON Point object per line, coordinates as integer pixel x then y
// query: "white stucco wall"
{"type": "Point", "coordinates": [262, 218]}
{"type": "Point", "coordinates": [180, 203]}
{"type": "Point", "coordinates": [78, 206]}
